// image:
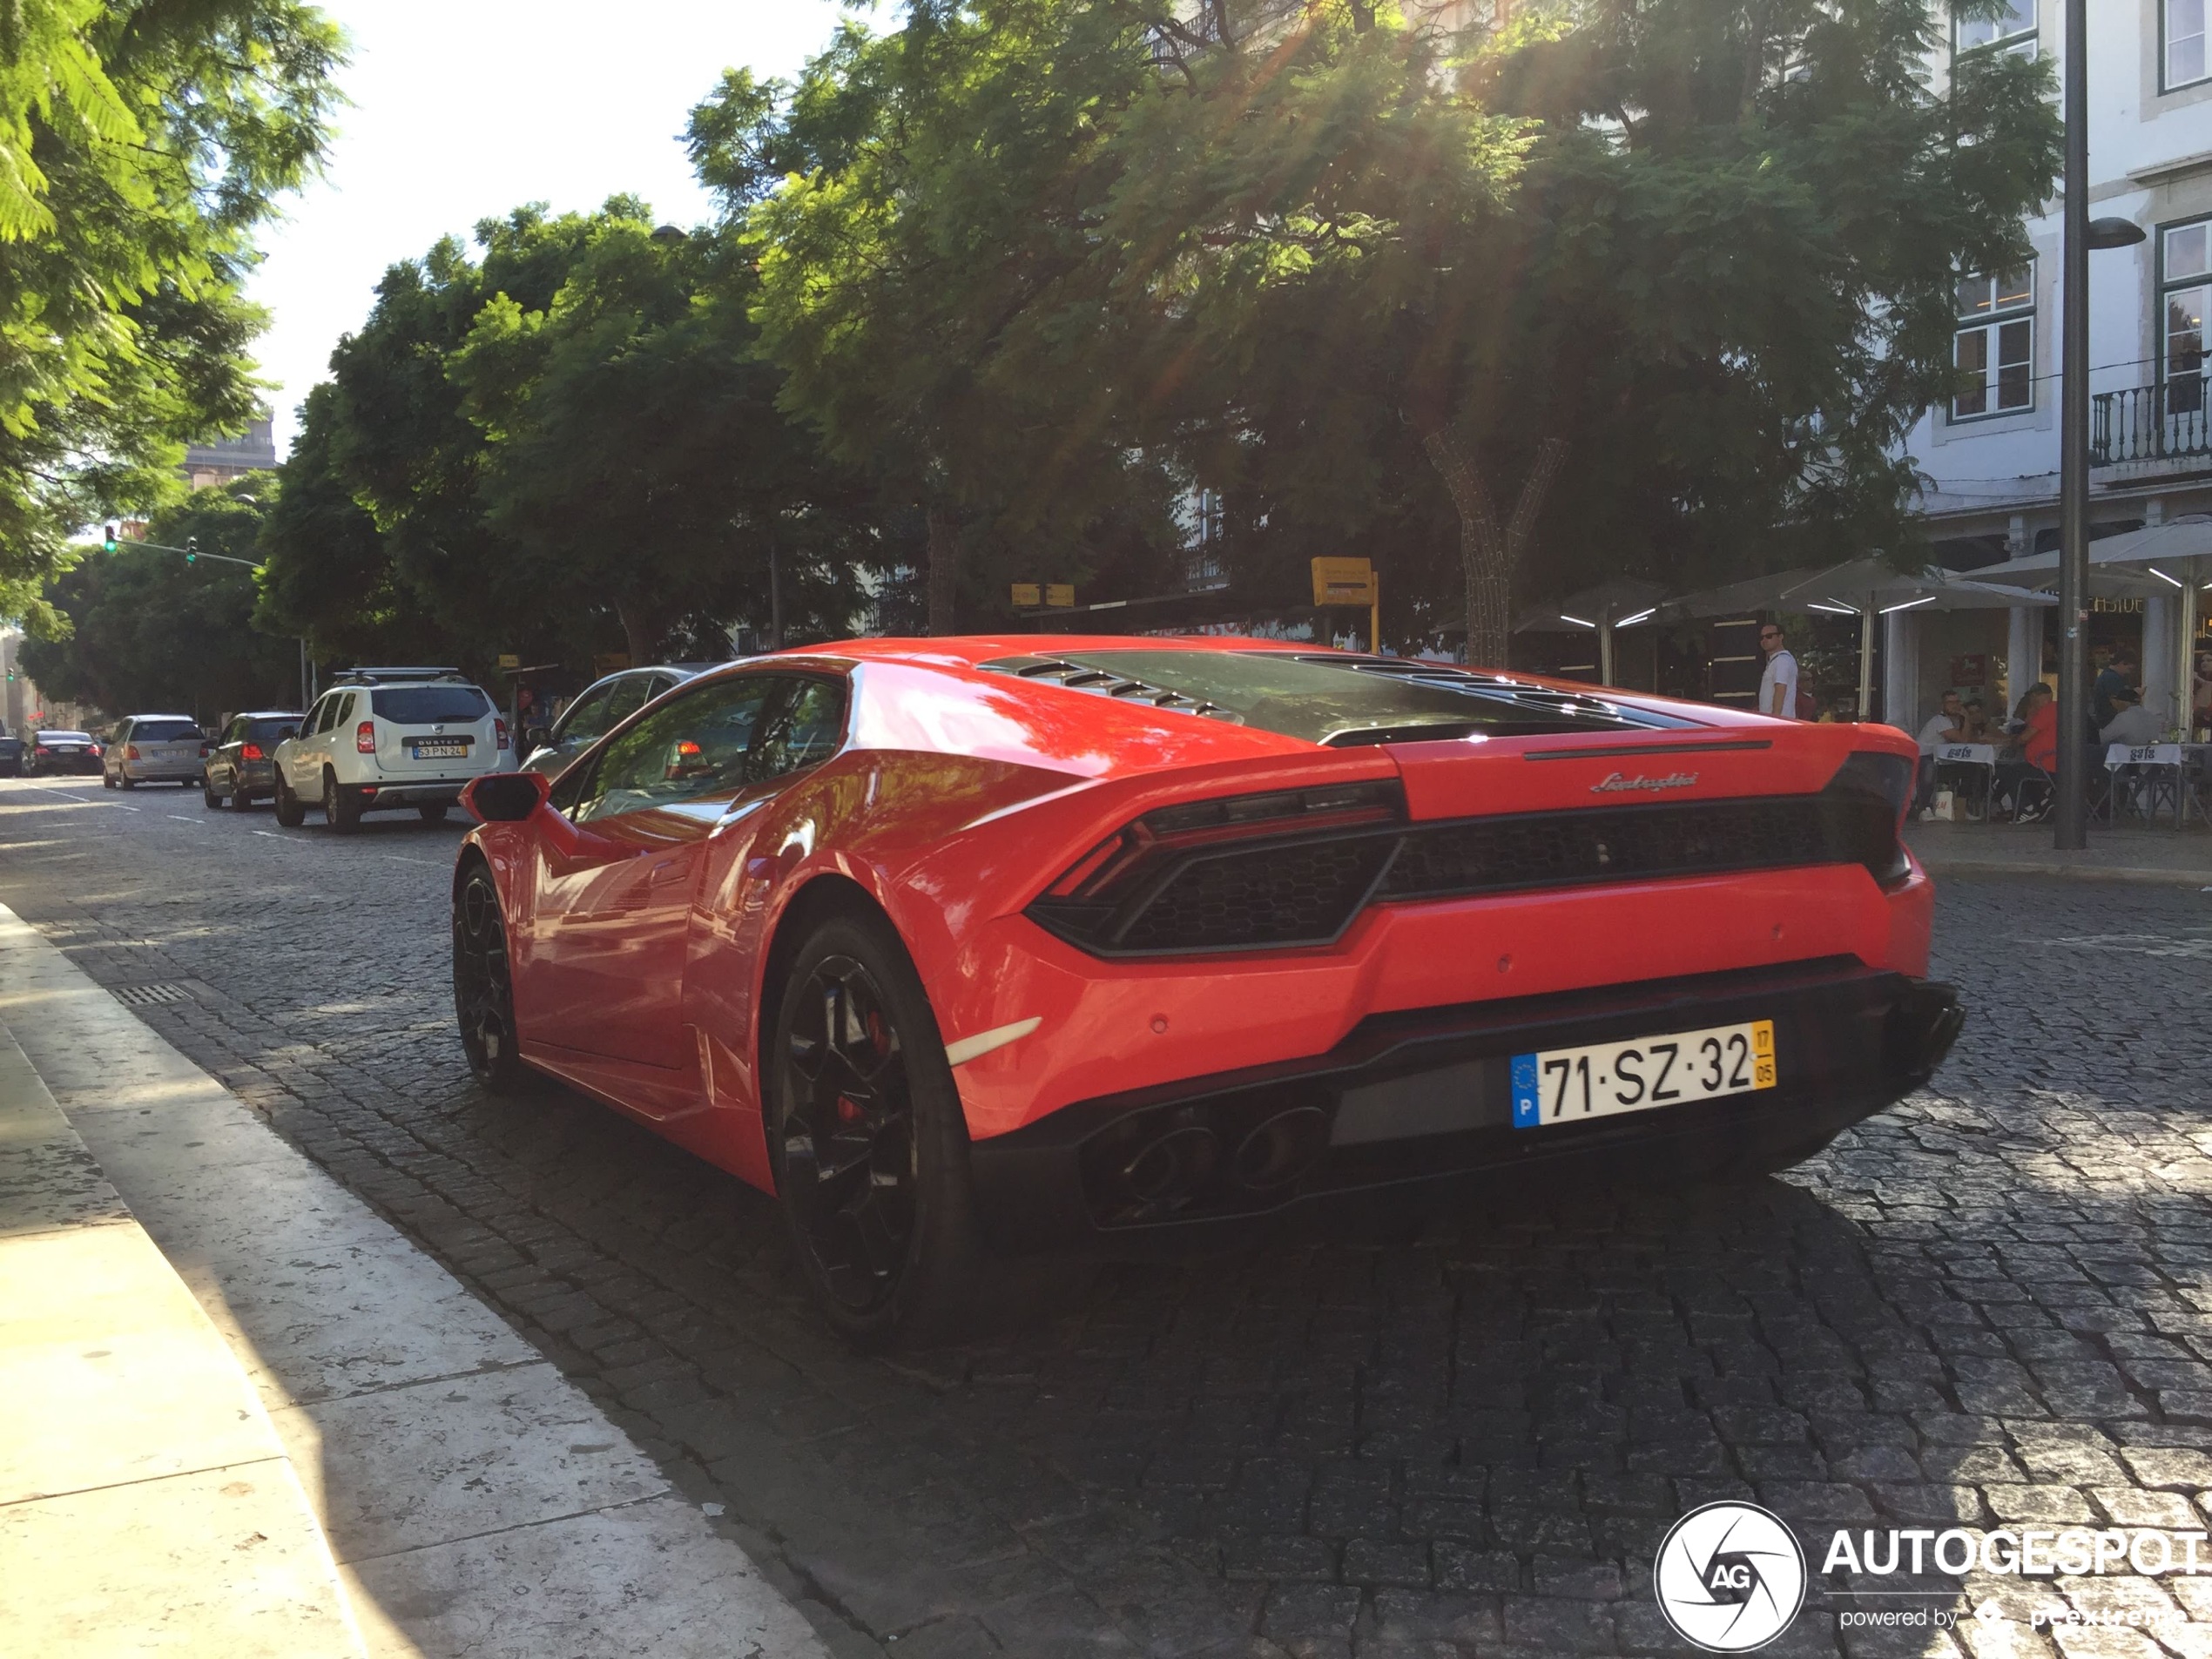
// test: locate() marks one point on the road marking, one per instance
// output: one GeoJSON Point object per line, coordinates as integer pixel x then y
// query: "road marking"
{"type": "Point", "coordinates": [182, 818]}
{"type": "Point", "coordinates": [396, 858]}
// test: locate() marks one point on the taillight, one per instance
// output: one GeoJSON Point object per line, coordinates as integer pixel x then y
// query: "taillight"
{"type": "Point", "coordinates": [365, 738]}
{"type": "Point", "coordinates": [251, 752]}
{"type": "Point", "coordinates": [41, 749]}
{"type": "Point", "coordinates": [203, 752]}
{"type": "Point", "coordinates": [499, 729]}
{"type": "Point", "coordinates": [131, 753]}
{"type": "Point", "coordinates": [1866, 801]}
{"type": "Point", "coordinates": [1172, 831]}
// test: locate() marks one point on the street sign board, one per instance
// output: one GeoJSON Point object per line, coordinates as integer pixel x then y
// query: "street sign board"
{"type": "Point", "coordinates": [1343, 582]}
{"type": "Point", "coordinates": [1028, 595]}
{"type": "Point", "coordinates": [1060, 593]}
{"type": "Point", "coordinates": [610, 662]}
{"type": "Point", "coordinates": [508, 659]}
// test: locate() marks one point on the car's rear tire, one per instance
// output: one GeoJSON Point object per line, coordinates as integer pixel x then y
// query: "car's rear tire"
{"type": "Point", "coordinates": [870, 1150]}
{"type": "Point", "coordinates": [126, 780]}
{"type": "Point", "coordinates": [290, 811]}
{"type": "Point", "coordinates": [241, 797]}
{"type": "Point", "coordinates": [483, 987]}
{"type": "Point", "coordinates": [341, 811]}
{"type": "Point", "coordinates": [432, 814]}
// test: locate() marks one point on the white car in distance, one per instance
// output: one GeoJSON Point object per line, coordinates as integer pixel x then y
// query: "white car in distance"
{"type": "Point", "coordinates": [385, 739]}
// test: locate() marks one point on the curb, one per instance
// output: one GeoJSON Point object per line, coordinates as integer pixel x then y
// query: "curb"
{"type": "Point", "coordinates": [474, 1498]}
{"type": "Point", "coordinates": [2138, 874]}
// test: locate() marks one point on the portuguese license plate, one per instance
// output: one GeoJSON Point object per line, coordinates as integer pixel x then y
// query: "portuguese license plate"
{"type": "Point", "coordinates": [1568, 1085]}
{"type": "Point", "coordinates": [441, 749]}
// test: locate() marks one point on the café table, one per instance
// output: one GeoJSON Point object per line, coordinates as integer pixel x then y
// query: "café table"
{"type": "Point", "coordinates": [2144, 777]}
{"type": "Point", "coordinates": [1978, 762]}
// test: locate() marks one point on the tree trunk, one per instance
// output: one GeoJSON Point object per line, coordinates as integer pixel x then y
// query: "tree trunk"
{"type": "Point", "coordinates": [944, 572]}
{"type": "Point", "coordinates": [641, 628]}
{"type": "Point", "coordinates": [1489, 551]}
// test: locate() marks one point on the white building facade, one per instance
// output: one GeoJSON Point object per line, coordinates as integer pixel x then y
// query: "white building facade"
{"type": "Point", "coordinates": [1992, 454]}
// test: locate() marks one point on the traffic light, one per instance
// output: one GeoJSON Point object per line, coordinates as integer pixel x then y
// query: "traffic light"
{"type": "Point", "coordinates": [113, 536]}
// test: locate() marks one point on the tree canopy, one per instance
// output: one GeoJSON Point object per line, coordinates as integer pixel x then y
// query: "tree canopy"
{"type": "Point", "coordinates": [1662, 283]}
{"type": "Point", "coordinates": [141, 143]}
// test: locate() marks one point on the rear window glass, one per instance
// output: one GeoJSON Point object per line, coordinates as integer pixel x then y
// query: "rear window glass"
{"type": "Point", "coordinates": [264, 731]}
{"type": "Point", "coordinates": [1339, 701]}
{"type": "Point", "coordinates": [64, 736]}
{"type": "Point", "coordinates": [163, 731]}
{"type": "Point", "coordinates": [414, 705]}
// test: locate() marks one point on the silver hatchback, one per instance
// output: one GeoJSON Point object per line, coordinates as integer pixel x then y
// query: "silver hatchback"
{"type": "Point", "coordinates": [154, 749]}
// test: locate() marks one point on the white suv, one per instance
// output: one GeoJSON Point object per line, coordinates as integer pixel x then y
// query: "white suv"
{"type": "Point", "coordinates": [383, 739]}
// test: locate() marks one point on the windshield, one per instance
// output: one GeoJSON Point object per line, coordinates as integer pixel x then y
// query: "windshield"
{"type": "Point", "coordinates": [164, 732]}
{"type": "Point", "coordinates": [414, 705]}
{"type": "Point", "coordinates": [1336, 700]}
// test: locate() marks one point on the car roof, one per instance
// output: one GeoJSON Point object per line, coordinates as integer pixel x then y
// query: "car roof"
{"type": "Point", "coordinates": [267, 714]}
{"type": "Point", "coordinates": [161, 716]}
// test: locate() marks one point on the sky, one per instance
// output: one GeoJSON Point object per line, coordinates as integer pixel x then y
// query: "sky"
{"type": "Point", "coordinates": [463, 109]}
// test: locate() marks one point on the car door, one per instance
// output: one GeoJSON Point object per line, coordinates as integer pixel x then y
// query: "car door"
{"type": "Point", "coordinates": [118, 751]}
{"type": "Point", "coordinates": [293, 758]}
{"type": "Point", "coordinates": [618, 865]}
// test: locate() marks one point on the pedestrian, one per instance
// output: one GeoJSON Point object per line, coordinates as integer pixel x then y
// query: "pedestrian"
{"type": "Point", "coordinates": [1778, 682]}
{"type": "Point", "coordinates": [2117, 675]}
{"type": "Point", "coordinates": [1947, 724]}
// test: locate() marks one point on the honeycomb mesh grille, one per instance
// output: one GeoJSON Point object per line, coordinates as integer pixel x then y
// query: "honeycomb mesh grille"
{"type": "Point", "coordinates": [1564, 849]}
{"type": "Point", "coordinates": [1263, 895]}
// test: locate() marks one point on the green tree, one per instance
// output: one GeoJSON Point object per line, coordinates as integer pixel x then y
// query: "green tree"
{"type": "Point", "coordinates": [1665, 282]}
{"type": "Point", "coordinates": [141, 143]}
{"type": "Point", "coordinates": [926, 275]}
{"type": "Point", "coordinates": [151, 632]}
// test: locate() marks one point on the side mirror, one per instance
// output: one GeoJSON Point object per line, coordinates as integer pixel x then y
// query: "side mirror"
{"type": "Point", "coordinates": [537, 736]}
{"type": "Point", "coordinates": [284, 734]}
{"type": "Point", "coordinates": [506, 797]}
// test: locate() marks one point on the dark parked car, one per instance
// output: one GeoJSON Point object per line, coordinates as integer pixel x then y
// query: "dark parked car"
{"type": "Point", "coordinates": [59, 752]}
{"type": "Point", "coordinates": [596, 711]}
{"type": "Point", "coordinates": [239, 767]}
{"type": "Point", "coordinates": [11, 755]}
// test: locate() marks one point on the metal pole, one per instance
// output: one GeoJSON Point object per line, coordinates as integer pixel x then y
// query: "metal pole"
{"type": "Point", "coordinates": [2072, 829]}
{"type": "Point", "coordinates": [1374, 612]}
{"type": "Point", "coordinates": [1605, 646]}
{"type": "Point", "coordinates": [1867, 660]}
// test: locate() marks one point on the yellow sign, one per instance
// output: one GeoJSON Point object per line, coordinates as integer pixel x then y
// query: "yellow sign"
{"type": "Point", "coordinates": [508, 660]}
{"type": "Point", "coordinates": [1343, 582]}
{"type": "Point", "coordinates": [610, 662]}
{"type": "Point", "coordinates": [1060, 593]}
{"type": "Point", "coordinates": [1028, 595]}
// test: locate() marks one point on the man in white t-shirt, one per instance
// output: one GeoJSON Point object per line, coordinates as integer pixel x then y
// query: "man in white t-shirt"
{"type": "Point", "coordinates": [1946, 724]}
{"type": "Point", "coordinates": [1779, 685]}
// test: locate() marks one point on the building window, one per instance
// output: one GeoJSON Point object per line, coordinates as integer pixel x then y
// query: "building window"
{"type": "Point", "coordinates": [1994, 347]}
{"type": "Point", "coordinates": [2011, 29]}
{"type": "Point", "coordinates": [2181, 31]}
{"type": "Point", "coordinates": [2184, 290]}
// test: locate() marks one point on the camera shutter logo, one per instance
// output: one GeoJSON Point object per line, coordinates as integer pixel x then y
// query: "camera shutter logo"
{"type": "Point", "coordinates": [1730, 1577]}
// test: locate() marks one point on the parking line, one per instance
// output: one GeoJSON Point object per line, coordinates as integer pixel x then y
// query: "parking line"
{"type": "Point", "coordinates": [182, 818]}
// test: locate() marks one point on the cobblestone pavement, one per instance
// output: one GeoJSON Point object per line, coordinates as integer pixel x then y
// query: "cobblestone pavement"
{"type": "Point", "coordinates": [1993, 1305]}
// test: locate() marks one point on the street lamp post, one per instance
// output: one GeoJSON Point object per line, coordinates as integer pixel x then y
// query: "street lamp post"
{"type": "Point", "coordinates": [2071, 830]}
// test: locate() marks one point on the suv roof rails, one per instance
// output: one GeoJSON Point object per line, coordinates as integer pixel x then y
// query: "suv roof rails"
{"type": "Point", "coordinates": [373, 676]}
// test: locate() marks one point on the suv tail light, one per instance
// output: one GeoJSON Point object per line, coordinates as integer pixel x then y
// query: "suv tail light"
{"type": "Point", "coordinates": [365, 738]}
{"type": "Point", "coordinates": [499, 734]}
{"type": "Point", "coordinates": [251, 752]}
{"type": "Point", "coordinates": [203, 752]}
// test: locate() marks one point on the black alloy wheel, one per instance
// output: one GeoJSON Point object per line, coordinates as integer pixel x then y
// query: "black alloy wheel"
{"type": "Point", "coordinates": [849, 1146]}
{"type": "Point", "coordinates": [870, 1147]}
{"type": "Point", "coordinates": [483, 990]}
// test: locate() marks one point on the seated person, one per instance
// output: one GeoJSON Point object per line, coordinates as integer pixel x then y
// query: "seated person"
{"type": "Point", "coordinates": [1947, 724]}
{"type": "Point", "coordinates": [2037, 749]}
{"type": "Point", "coordinates": [2131, 723]}
{"type": "Point", "coordinates": [1976, 729]}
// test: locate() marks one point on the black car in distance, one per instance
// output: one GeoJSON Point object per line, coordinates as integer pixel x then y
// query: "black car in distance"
{"type": "Point", "coordinates": [241, 768]}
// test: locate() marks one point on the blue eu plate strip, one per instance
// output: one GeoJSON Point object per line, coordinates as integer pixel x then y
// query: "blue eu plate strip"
{"type": "Point", "coordinates": [1527, 1104]}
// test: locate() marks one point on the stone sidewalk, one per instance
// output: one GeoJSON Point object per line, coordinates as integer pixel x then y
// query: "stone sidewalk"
{"type": "Point", "coordinates": [317, 1441]}
{"type": "Point", "coordinates": [2177, 858]}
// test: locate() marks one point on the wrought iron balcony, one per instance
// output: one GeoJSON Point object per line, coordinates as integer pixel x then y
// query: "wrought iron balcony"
{"type": "Point", "coordinates": [2161, 422]}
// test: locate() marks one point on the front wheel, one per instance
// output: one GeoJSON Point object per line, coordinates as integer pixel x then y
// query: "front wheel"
{"type": "Point", "coordinates": [483, 990]}
{"type": "Point", "coordinates": [871, 1148]}
{"type": "Point", "coordinates": [290, 811]}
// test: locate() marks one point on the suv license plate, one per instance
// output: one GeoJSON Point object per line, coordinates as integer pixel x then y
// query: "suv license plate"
{"type": "Point", "coordinates": [441, 749]}
{"type": "Point", "coordinates": [1567, 1085]}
